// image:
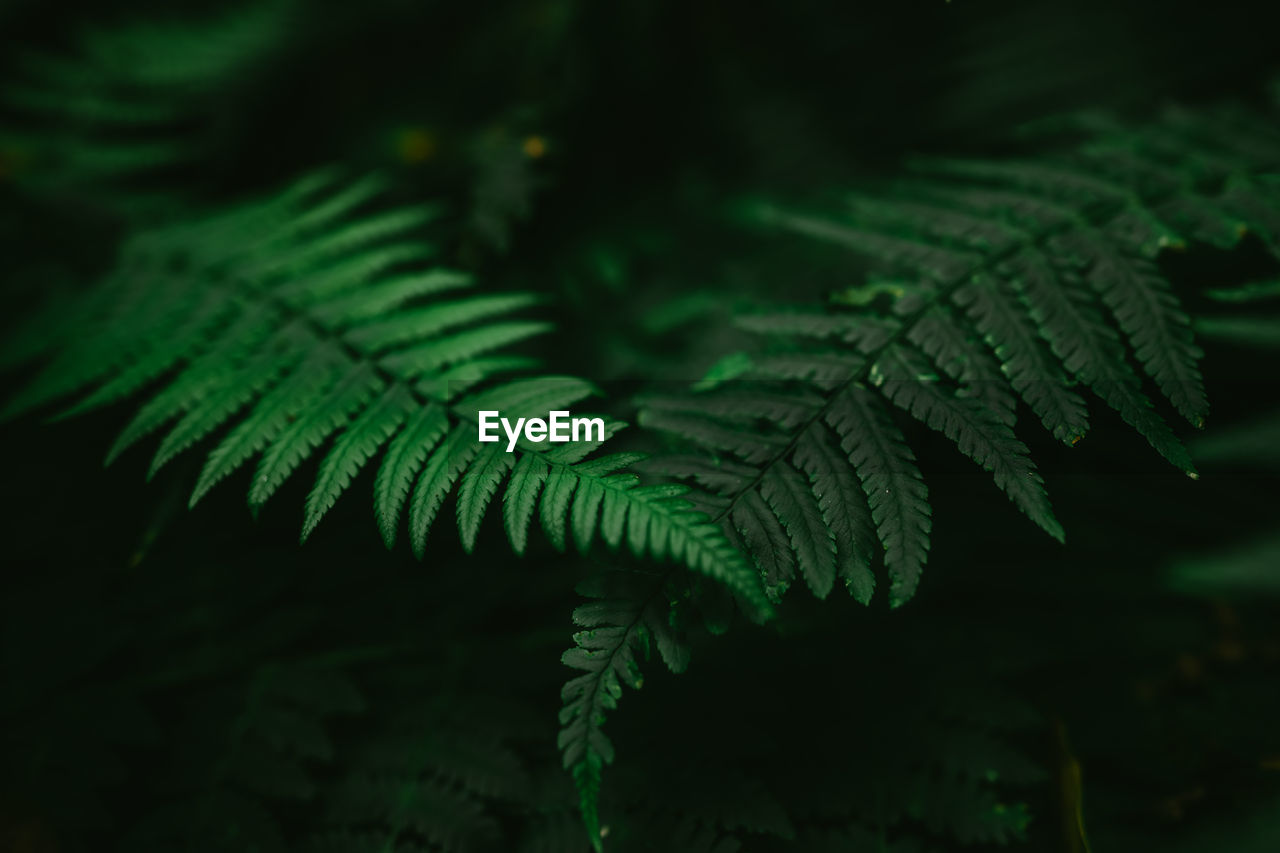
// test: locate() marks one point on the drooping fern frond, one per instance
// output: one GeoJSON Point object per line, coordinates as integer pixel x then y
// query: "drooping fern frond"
{"type": "Point", "coordinates": [129, 103]}
{"type": "Point", "coordinates": [995, 285]}
{"type": "Point", "coordinates": [628, 617]}
{"type": "Point", "coordinates": [312, 316]}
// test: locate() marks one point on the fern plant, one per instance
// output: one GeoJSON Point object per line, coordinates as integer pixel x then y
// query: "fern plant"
{"type": "Point", "coordinates": [999, 285]}
{"type": "Point", "coordinates": [316, 332]}
{"type": "Point", "coordinates": [301, 319]}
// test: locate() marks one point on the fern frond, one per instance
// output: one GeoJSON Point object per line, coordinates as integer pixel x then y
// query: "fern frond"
{"type": "Point", "coordinates": [1008, 281]}
{"type": "Point", "coordinates": [630, 614]}
{"type": "Point", "coordinates": [304, 322]}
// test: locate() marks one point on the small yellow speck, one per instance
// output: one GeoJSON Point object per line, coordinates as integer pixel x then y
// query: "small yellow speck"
{"type": "Point", "coordinates": [415, 145]}
{"type": "Point", "coordinates": [12, 162]}
{"type": "Point", "coordinates": [534, 147]}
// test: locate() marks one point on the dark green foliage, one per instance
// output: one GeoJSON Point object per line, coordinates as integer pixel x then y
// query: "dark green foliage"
{"type": "Point", "coordinates": [128, 106]}
{"type": "Point", "coordinates": [265, 742]}
{"type": "Point", "coordinates": [1011, 267]}
{"type": "Point", "coordinates": [547, 201]}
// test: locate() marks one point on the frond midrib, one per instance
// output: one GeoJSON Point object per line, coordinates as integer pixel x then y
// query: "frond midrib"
{"type": "Point", "coordinates": [935, 296]}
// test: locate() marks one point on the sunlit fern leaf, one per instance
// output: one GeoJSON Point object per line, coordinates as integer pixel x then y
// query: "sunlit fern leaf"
{"type": "Point", "coordinates": [444, 466]}
{"type": "Point", "coordinates": [630, 614]}
{"type": "Point", "coordinates": [129, 103]}
{"type": "Point", "coordinates": [309, 322]}
{"type": "Point", "coordinates": [354, 448]}
{"type": "Point", "coordinates": [404, 458]}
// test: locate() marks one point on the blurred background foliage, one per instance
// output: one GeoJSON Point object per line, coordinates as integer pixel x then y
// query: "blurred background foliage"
{"type": "Point", "coordinates": [195, 681]}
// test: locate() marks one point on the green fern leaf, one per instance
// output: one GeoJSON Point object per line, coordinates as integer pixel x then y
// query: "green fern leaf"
{"type": "Point", "coordinates": [789, 496]}
{"type": "Point", "coordinates": [353, 449]}
{"type": "Point", "coordinates": [1090, 350]}
{"type": "Point", "coordinates": [478, 486]}
{"type": "Point", "coordinates": [303, 320]}
{"type": "Point", "coordinates": [232, 393]}
{"type": "Point", "coordinates": [767, 541]}
{"type": "Point", "coordinates": [522, 498]}
{"type": "Point", "coordinates": [1036, 378]}
{"type": "Point", "coordinates": [895, 491]}
{"type": "Point", "coordinates": [628, 613]}
{"type": "Point", "coordinates": [555, 504]}
{"type": "Point", "coordinates": [445, 465]}
{"type": "Point", "coordinates": [977, 433]}
{"type": "Point", "coordinates": [1158, 330]}
{"type": "Point", "coordinates": [298, 391]}
{"type": "Point", "coordinates": [844, 508]}
{"type": "Point", "coordinates": [351, 394]}
{"type": "Point", "coordinates": [400, 466]}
